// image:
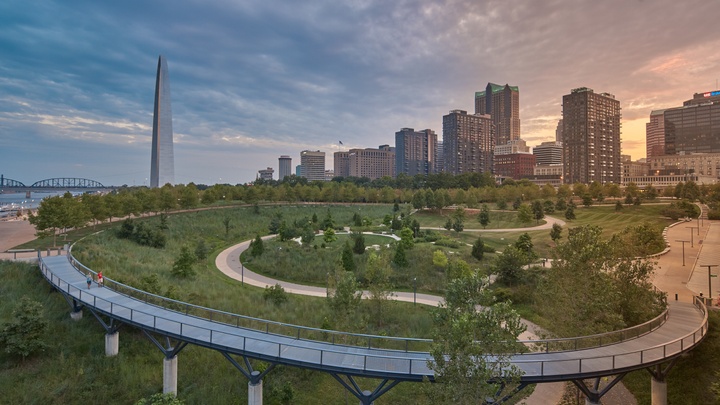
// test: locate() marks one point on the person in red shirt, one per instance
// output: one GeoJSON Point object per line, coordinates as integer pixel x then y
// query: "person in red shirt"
{"type": "Point", "coordinates": [100, 279]}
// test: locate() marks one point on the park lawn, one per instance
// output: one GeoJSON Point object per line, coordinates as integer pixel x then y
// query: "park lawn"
{"type": "Point", "coordinates": [612, 221]}
{"type": "Point", "coordinates": [498, 219]}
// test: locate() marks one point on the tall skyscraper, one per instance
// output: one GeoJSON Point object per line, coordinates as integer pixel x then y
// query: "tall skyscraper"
{"type": "Point", "coordinates": [312, 165]}
{"type": "Point", "coordinates": [502, 103]}
{"type": "Point", "coordinates": [694, 127]}
{"type": "Point", "coordinates": [558, 131]}
{"type": "Point", "coordinates": [162, 161]}
{"type": "Point", "coordinates": [284, 166]}
{"type": "Point", "coordinates": [591, 137]}
{"type": "Point", "coordinates": [415, 151]}
{"type": "Point", "coordinates": [468, 142]}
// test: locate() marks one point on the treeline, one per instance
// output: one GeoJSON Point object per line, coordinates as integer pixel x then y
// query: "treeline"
{"type": "Point", "coordinates": [435, 191]}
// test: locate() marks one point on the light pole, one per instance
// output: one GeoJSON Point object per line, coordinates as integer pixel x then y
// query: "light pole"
{"type": "Point", "coordinates": [710, 276]}
{"type": "Point", "coordinates": [692, 244]}
{"type": "Point", "coordinates": [242, 274]}
{"type": "Point", "coordinates": [415, 291]}
{"type": "Point", "coordinates": [683, 242]}
{"type": "Point", "coordinates": [327, 286]}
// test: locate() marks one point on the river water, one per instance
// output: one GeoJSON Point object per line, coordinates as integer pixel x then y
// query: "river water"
{"type": "Point", "coordinates": [10, 203]}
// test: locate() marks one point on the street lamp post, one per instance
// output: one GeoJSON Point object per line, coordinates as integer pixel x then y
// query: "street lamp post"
{"type": "Point", "coordinates": [683, 255]}
{"type": "Point", "coordinates": [692, 244]}
{"type": "Point", "coordinates": [710, 275]}
{"type": "Point", "coordinates": [415, 291]}
{"type": "Point", "coordinates": [242, 274]}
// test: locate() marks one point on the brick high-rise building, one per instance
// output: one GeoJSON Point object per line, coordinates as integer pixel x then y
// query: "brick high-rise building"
{"type": "Point", "coordinates": [591, 137]}
{"type": "Point", "coordinates": [502, 103]}
{"type": "Point", "coordinates": [468, 142]}
{"type": "Point", "coordinates": [514, 165]}
{"type": "Point", "coordinates": [415, 151]}
{"type": "Point", "coordinates": [312, 165]}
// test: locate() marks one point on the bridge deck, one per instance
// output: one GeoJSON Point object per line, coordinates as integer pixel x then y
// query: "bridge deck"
{"type": "Point", "coordinates": [685, 327]}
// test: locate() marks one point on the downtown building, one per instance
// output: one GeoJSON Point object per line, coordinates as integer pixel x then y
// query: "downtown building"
{"type": "Point", "coordinates": [369, 162]}
{"type": "Point", "coordinates": [549, 153]}
{"type": "Point", "coordinates": [265, 174]}
{"type": "Point", "coordinates": [312, 165]}
{"type": "Point", "coordinates": [341, 164]}
{"type": "Point", "coordinates": [415, 151]}
{"type": "Point", "coordinates": [655, 134]}
{"type": "Point", "coordinates": [284, 167]}
{"type": "Point", "coordinates": [514, 165]}
{"type": "Point", "coordinates": [468, 142]}
{"type": "Point", "coordinates": [591, 137]}
{"type": "Point", "coordinates": [694, 127]}
{"type": "Point", "coordinates": [502, 103]}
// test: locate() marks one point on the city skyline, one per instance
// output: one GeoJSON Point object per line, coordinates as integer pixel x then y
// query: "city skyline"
{"type": "Point", "coordinates": [252, 81]}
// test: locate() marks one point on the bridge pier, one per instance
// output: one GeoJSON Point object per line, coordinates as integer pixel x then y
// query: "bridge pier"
{"type": "Point", "coordinates": [76, 314]}
{"type": "Point", "coordinates": [255, 389]}
{"type": "Point", "coordinates": [658, 391]}
{"type": "Point", "coordinates": [112, 344]}
{"type": "Point", "coordinates": [170, 375]}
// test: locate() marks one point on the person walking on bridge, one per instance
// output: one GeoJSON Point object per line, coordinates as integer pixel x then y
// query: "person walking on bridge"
{"type": "Point", "coordinates": [89, 280]}
{"type": "Point", "coordinates": [100, 279]}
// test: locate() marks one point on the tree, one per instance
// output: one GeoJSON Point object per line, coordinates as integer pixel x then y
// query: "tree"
{"type": "Point", "coordinates": [524, 213]}
{"type": "Point", "coordinates": [587, 200]}
{"type": "Point", "coordinates": [183, 265]}
{"type": "Point", "coordinates": [228, 225]}
{"type": "Point", "coordinates": [478, 249]}
{"type": "Point", "coordinates": [400, 258]}
{"type": "Point", "coordinates": [406, 238]}
{"type": "Point", "coordinates": [538, 211]}
{"type": "Point", "coordinates": [377, 276]}
{"type": "Point", "coordinates": [556, 232]}
{"type": "Point", "coordinates": [329, 236]}
{"type": "Point", "coordinates": [359, 245]}
{"type": "Point", "coordinates": [459, 268]}
{"type": "Point", "coordinates": [307, 235]}
{"type": "Point", "coordinates": [257, 247]}
{"type": "Point", "coordinates": [471, 348]}
{"type": "Point", "coordinates": [618, 206]}
{"type": "Point", "coordinates": [524, 243]}
{"type": "Point", "coordinates": [440, 259]}
{"type": "Point", "coordinates": [484, 216]}
{"type": "Point", "coordinates": [24, 334]}
{"type": "Point", "coordinates": [344, 300]}
{"type": "Point", "coordinates": [561, 204]}
{"type": "Point", "coordinates": [613, 287]}
{"type": "Point", "coordinates": [570, 213]}
{"type": "Point", "coordinates": [509, 265]}
{"type": "Point", "coordinates": [276, 294]}
{"type": "Point", "coordinates": [347, 260]}
{"type": "Point", "coordinates": [201, 250]}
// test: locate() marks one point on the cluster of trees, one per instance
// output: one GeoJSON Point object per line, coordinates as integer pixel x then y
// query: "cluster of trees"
{"type": "Point", "coordinates": [24, 335]}
{"type": "Point", "coordinates": [143, 234]}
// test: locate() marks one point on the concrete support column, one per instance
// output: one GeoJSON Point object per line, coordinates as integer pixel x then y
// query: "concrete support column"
{"type": "Point", "coordinates": [76, 315]}
{"type": "Point", "coordinates": [589, 401]}
{"type": "Point", "coordinates": [170, 375]}
{"type": "Point", "coordinates": [255, 391]}
{"type": "Point", "coordinates": [112, 344]}
{"type": "Point", "coordinates": [658, 392]}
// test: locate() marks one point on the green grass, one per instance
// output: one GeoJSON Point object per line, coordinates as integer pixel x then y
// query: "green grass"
{"type": "Point", "coordinates": [611, 221]}
{"type": "Point", "coordinates": [74, 370]}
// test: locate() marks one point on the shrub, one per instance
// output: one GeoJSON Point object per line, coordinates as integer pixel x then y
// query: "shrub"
{"type": "Point", "coordinates": [23, 335]}
{"type": "Point", "coordinates": [183, 266]}
{"type": "Point", "coordinates": [447, 242]}
{"type": "Point", "coordinates": [275, 294]}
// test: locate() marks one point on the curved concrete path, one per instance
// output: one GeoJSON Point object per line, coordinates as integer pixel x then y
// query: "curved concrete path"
{"type": "Point", "coordinates": [549, 222]}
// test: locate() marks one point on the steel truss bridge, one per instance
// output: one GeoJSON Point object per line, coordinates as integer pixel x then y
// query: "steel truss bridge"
{"type": "Point", "coordinates": [58, 183]}
{"type": "Point", "coordinates": [654, 345]}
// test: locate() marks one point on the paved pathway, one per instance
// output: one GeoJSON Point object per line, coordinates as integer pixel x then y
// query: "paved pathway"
{"type": "Point", "coordinates": [549, 221]}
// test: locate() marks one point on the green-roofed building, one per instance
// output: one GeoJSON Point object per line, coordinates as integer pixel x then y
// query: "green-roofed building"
{"type": "Point", "coordinates": [502, 103]}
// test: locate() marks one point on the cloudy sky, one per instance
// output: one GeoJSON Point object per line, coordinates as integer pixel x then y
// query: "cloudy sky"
{"type": "Point", "coordinates": [252, 80]}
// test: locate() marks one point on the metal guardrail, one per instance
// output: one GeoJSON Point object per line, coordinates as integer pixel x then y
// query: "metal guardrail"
{"type": "Point", "coordinates": [410, 365]}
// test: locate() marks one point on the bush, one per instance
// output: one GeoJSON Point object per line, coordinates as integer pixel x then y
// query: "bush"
{"type": "Point", "coordinates": [183, 266]}
{"type": "Point", "coordinates": [142, 234]}
{"type": "Point", "coordinates": [276, 294]}
{"type": "Point", "coordinates": [23, 335]}
{"type": "Point", "coordinates": [447, 242]}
